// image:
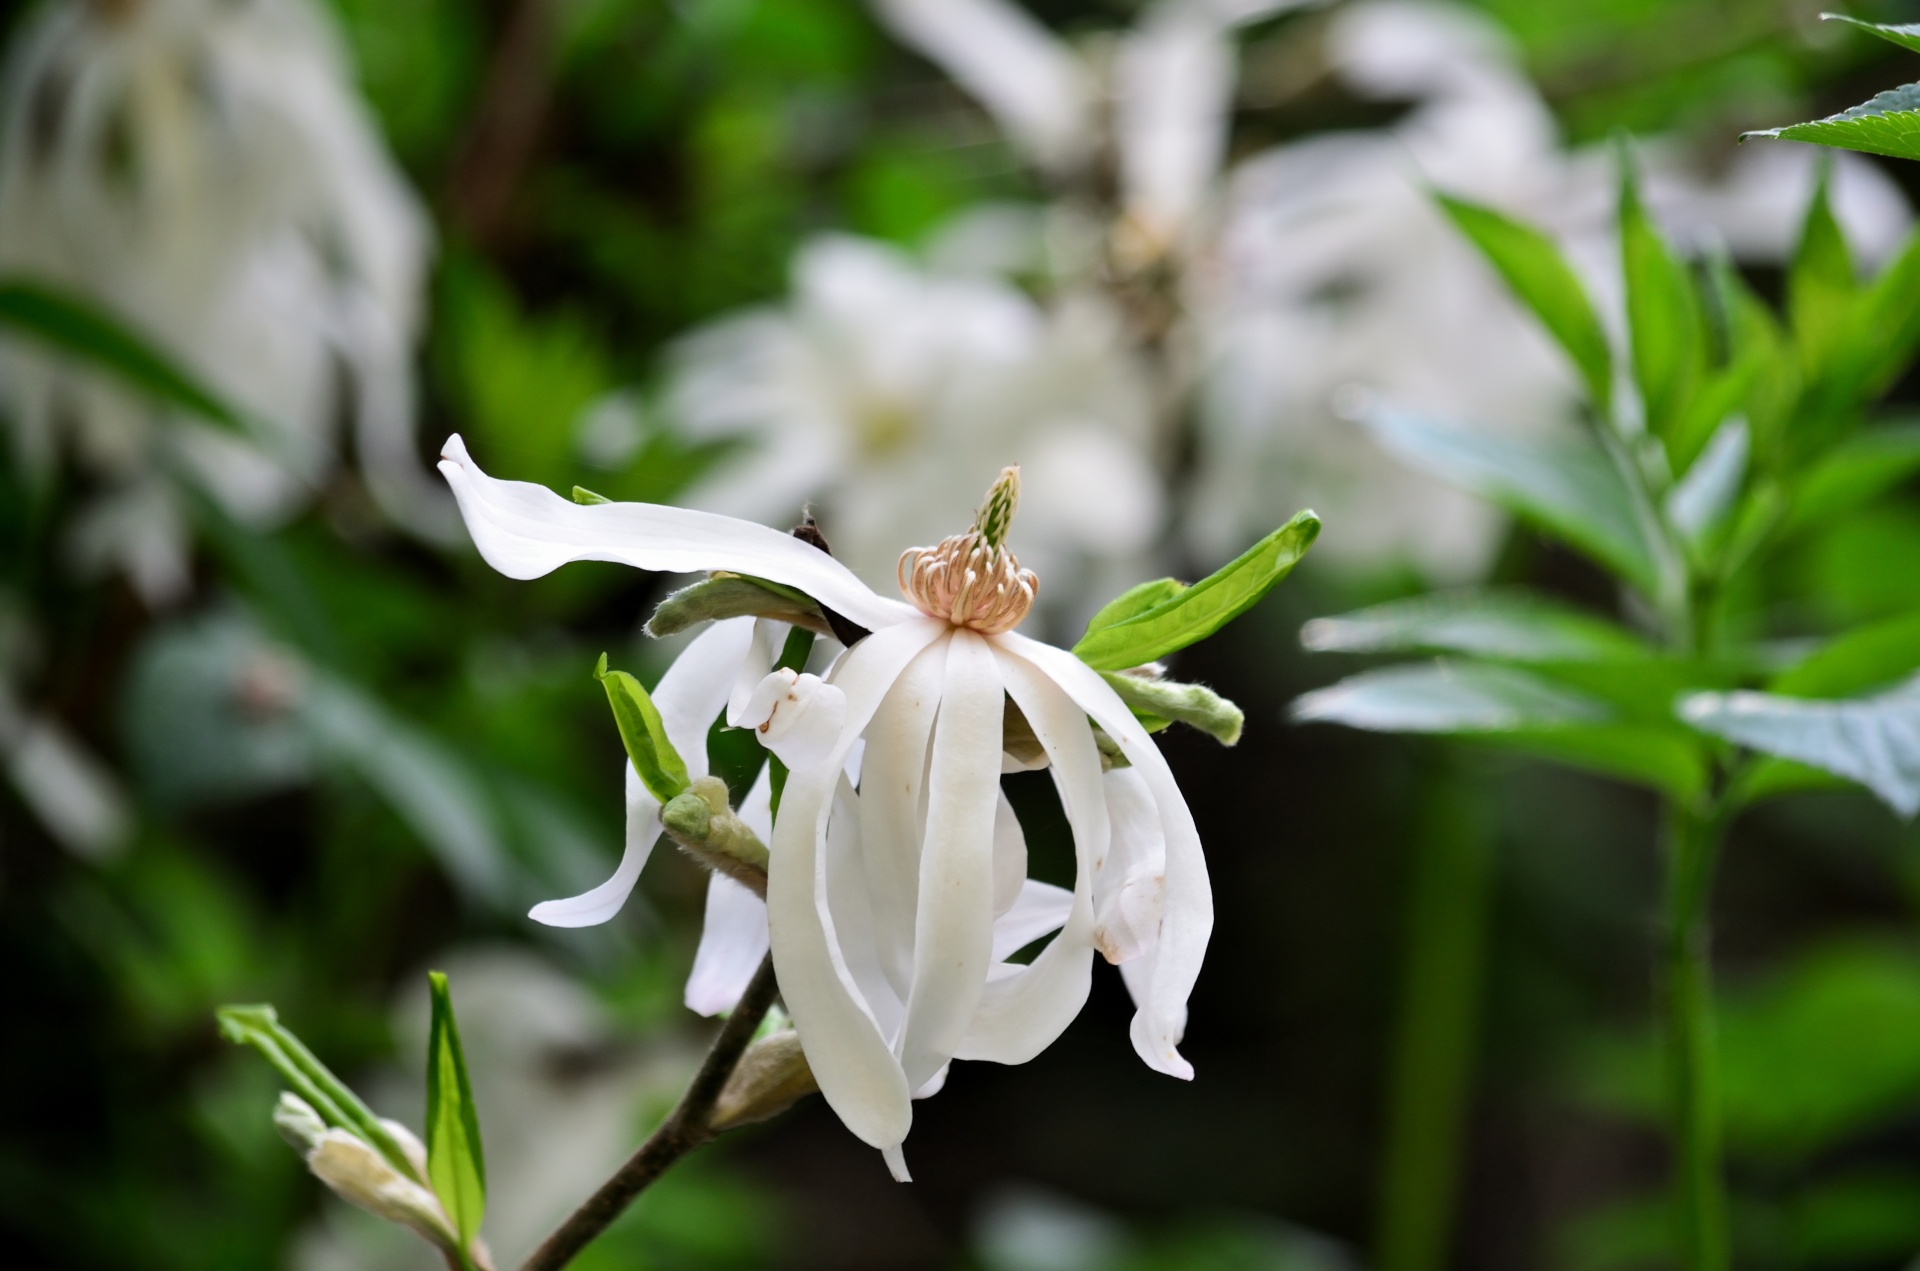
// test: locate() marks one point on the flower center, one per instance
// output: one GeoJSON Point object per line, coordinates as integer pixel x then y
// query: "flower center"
{"type": "Point", "coordinates": [971, 579]}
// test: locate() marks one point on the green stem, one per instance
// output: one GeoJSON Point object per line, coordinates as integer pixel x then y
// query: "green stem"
{"type": "Point", "coordinates": [1700, 1205]}
{"type": "Point", "coordinates": [1439, 1023]}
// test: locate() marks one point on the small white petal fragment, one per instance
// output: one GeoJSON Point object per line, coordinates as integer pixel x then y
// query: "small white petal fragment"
{"type": "Point", "coordinates": [797, 716]}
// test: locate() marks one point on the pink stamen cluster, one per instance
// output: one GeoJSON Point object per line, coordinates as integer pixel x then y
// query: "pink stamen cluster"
{"type": "Point", "coordinates": [971, 579]}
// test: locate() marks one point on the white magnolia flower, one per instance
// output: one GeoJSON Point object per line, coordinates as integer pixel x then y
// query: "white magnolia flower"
{"type": "Point", "coordinates": [897, 887]}
{"type": "Point", "coordinates": [204, 170]}
{"type": "Point", "coordinates": [1159, 99]}
{"type": "Point", "coordinates": [888, 393]}
{"type": "Point", "coordinates": [1335, 268]}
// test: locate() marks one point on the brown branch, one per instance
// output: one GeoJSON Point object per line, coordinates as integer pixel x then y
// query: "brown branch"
{"type": "Point", "coordinates": [687, 1127]}
{"type": "Point", "coordinates": [498, 147]}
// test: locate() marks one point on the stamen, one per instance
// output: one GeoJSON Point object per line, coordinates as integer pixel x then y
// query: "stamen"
{"type": "Point", "coordinates": [971, 579]}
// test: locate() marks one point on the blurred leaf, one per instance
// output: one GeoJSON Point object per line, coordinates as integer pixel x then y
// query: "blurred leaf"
{"type": "Point", "coordinates": [1565, 485]}
{"type": "Point", "coordinates": [1859, 1218]}
{"type": "Point", "coordinates": [1665, 329]}
{"type": "Point", "coordinates": [260, 1028]}
{"type": "Point", "coordinates": [1699, 503]}
{"type": "Point", "coordinates": [1192, 614]}
{"type": "Point", "coordinates": [76, 327]}
{"type": "Point", "coordinates": [1533, 267]}
{"type": "Point", "coordinates": [1864, 658]}
{"type": "Point", "coordinates": [1446, 697]}
{"type": "Point", "coordinates": [455, 1164]}
{"type": "Point", "coordinates": [1874, 741]}
{"type": "Point", "coordinates": [1855, 472]}
{"type": "Point", "coordinates": [1513, 626]}
{"type": "Point", "coordinates": [1863, 566]}
{"type": "Point", "coordinates": [644, 734]}
{"type": "Point", "coordinates": [1821, 280]}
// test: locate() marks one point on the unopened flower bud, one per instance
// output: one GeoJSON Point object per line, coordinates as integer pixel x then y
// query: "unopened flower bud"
{"type": "Point", "coordinates": [298, 1123]}
{"type": "Point", "coordinates": [769, 1079]}
{"type": "Point", "coordinates": [361, 1176]}
{"type": "Point", "coordinates": [703, 823]}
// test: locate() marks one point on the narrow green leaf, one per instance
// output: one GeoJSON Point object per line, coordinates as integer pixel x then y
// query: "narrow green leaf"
{"type": "Point", "coordinates": [1664, 320]}
{"type": "Point", "coordinates": [1194, 613]}
{"type": "Point", "coordinates": [1532, 266]}
{"type": "Point", "coordinates": [649, 749]}
{"type": "Point", "coordinates": [455, 1164]}
{"type": "Point", "coordinates": [1509, 626]}
{"type": "Point", "coordinates": [1872, 740]}
{"type": "Point", "coordinates": [82, 330]}
{"type": "Point", "coordinates": [1856, 472]}
{"type": "Point", "coordinates": [1821, 281]}
{"type": "Point", "coordinates": [1906, 35]}
{"type": "Point", "coordinates": [259, 1027]}
{"type": "Point", "coordinates": [1165, 701]}
{"type": "Point", "coordinates": [1887, 124]}
{"type": "Point", "coordinates": [1565, 485]}
{"type": "Point", "coordinates": [1881, 335]}
{"type": "Point", "coordinates": [1862, 659]}
{"type": "Point", "coordinates": [1133, 602]}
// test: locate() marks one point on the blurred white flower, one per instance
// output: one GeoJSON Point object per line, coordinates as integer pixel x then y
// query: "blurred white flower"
{"type": "Point", "coordinates": [897, 886]}
{"type": "Point", "coordinates": [204, 170]}
{"type": "Point", "coordinates": [1334, 268]}
{"type": "Point", "coordinates": [891, 393]}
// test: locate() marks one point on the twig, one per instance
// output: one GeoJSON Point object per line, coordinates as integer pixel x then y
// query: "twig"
{"type": "Point", "coordinates": [513, 104]}
{"type": "Point", "coordinates": [687, 1127]}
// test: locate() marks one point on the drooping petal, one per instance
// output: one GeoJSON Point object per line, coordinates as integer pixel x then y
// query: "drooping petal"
{"type": "Point", "coordinates": [1025, 1008]}
{"type": "Point", "coordinates": [526, 531]}
{"type": "Point", "coordinates": [1129, 890]}
{"type": "Point", "coordinates": [1009, 856]}
{"type": "Point", "coordinates": [1187, 922]}
{"type": "Point", "coordinates": [768, 637]}
{"type": "Point", "coordinates": [849, 1055]}
{"type": "Point", "coordinates": [953, 927]}
{"type": "Point", "coordinates": [1027, 77]}
{"type": "Point", "coordinates": [689, 698]}
{"type": "Point", "coordinates": [852, 909]}
{"type": "Point", "coordinates": [733, 937]}
{"type": "Point", "coordinates": [890, 804]}
{"type": "Point", "coordinates": [797, 716]}
{"type": "Point", "coordinates": [1042, 908]}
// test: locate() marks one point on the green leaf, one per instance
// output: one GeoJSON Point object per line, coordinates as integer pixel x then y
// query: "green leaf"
{"type": "Point", "coordinates": [1862, 659]}
{"type": "Point", "coordinates": [655, 761]}
{"type": "Point", "coordinates": [455, 1163]}
{"type": "Point", "coordinates": [1888, 124]}
{"type": "Point", "coordinates": [588, 498]}
{"type": "Point", "coordinates": [259, 1027]}
{"type": "Point", "coordinates": [1665, 327]}
{"type": "Point", "coordinates": [1133, 602]}
{"type": "Point", "coordinates": [78, 328]}
{"type": "Point", "coordinates": [725, 595]}
{"type": "Point", "coordinates": [1191, 614]}
{"type": "Point", "coordinates": [1821, 281]}
{"type": "Point", "coordinates": [1565, 485]}
{"type": "Point", "coordinates": [1532, 266]}
{"type": "Point", "coordinates": [1872, 740]}
{"type": "Point", "coordinates": [1508, 626]}
{"type": "Point", "coordinates": [1854, 473]}
{"type": "Point", "coordinates": [1906, 35]}
{"type": "Point", "coordinates": [1165, 701]}
{"type": "Point", "coordinates": [1699, 504]}
{"type": "Point", "coordinates": [1882, 333]}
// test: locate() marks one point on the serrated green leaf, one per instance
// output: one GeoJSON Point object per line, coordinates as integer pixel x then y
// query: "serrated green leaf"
{"type": "Point", "coordinates": [1133, 602]}
{"type": "Point", "coordinates": [1906, 35]}
{"type": "Point", "coordinates": [1872, 740]}
{"type": "Point", "coordinates": [259, 1026]}
{"type": "Point", "coordinates": [1565, 485]}
{"type": "Point", "coordinates": [1532, 266]}
{"type": "Point", "coordinates": [659, 766]}
{"type": "Point", "coordinates": [1191, 614]}
{"type": "Point", "coordinates": [76, 327]}
{"type": "Point", "coordinates": [1821, 281]}
{"type": "Point", "coordinates": [1169, 701]}
{"type": "Point", "coordinates": [1888, 124]}
{"type": "Point", "coordinates": [1511, 626]}
{"type": "Point", "coordinates": [1665, 330]}
{"type": "Point", "coordinates": [456, 1165]}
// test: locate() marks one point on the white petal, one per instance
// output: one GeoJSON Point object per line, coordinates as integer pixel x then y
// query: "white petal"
{"type": "Point", "coordinates": [1025, 1008]}
{"type": "Point", "coordinates": [1188, 921]}
{"type": "Point", "coordinates": [797, 716]}
{"type": "Point", "coordinates": [935, 1084]}
{"type": "Point", "coordinates": [526, 531]}
{"type": "Point", "coordinates": [1042, 908]}
{"type": "Point", "coordinates": [1030, 80]}
{"type": "Point", "coordinates": [896, 1164]}
{"type": "Point", "coordinates": [689, 697]}
{"type": "Point", "coordinates": [1129, 891]}
{"type": "Point", "coordinates": [1009, 855]}
{"type": "Point", "coordinates": [890, 807]}
{"type": "Point", "coordinates": [953, 923]}
{"type": "Point", "coordinates": [850, 906]}
{"type": "Point", "coordinates": [1176, 84]}
{"type": "Point", "coordinates": [733, 937]}
{"type": "Point", "coordinates": [856, 1069]}
{"type": "Point", "coordinates": [768, 639]}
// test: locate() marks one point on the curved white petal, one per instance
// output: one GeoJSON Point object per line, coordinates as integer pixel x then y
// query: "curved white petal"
{"type": "Point", "coordinates": [1129, 890]}
{"type": "Point", "coordinates": [1188, 919]}
{"type": "Point", "coordinates": [850, 905]}
{"type": "Point", "coordinates": [1025, 1008]}
{"type": "Point", "coordinates": [1175, 88]}
{"type": "Point", "coordinates": [935, 1084]}
{"type": "Point", "coordinates": [526, 531]}
{"type": "Point", "coordinates": [1042, 908]}
{"type": "Point", "coordinates": [797, 716]}
{"type": "Point", "coordinates": [733, 938]}
{"type": "Point", "coordinates": [768, 639]}
{"type": "Point", "coordinates": [689, 697]}
{"type": "Point", "coordinates": [1026, 76]}
{"type": "Point", "coordinates": [953, 926]}
{"type": "Point", "coordinates": [896, 1163]}
{"type": "Point", "coordinates": [849, 1055]}
{"type": "Point", "coordinates": [1009, 856]}
{"type": "Point", "coordinates": [890, 807]}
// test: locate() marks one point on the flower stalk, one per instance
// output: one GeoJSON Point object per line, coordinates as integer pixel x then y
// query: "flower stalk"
{"type": "Point", "coordinates": [1693, 841]}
